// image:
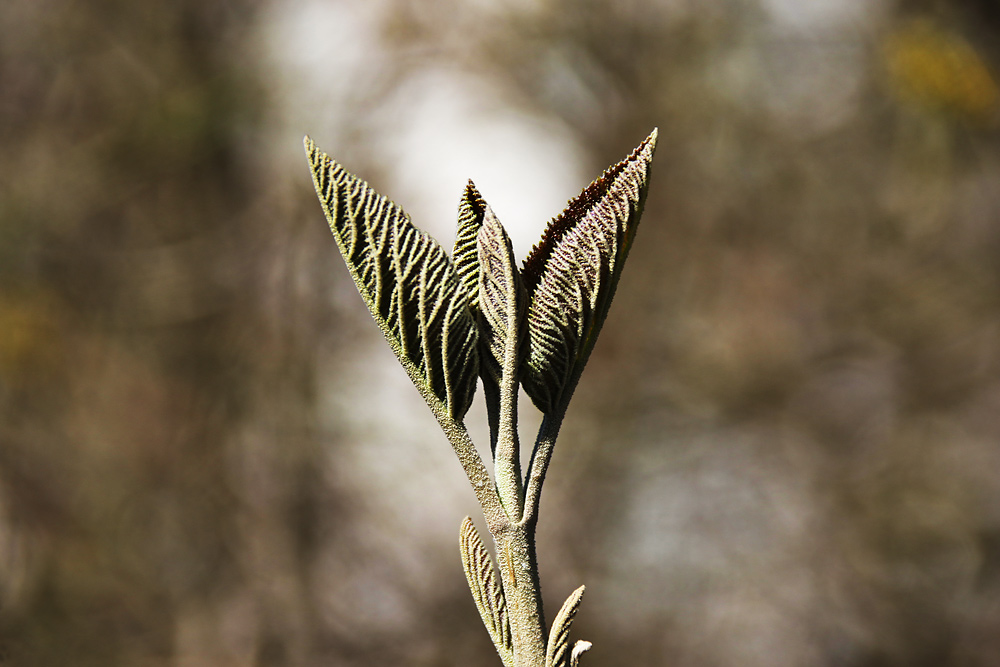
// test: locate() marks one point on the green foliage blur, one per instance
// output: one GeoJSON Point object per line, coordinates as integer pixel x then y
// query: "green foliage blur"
{"type": "Point", "coordinates": [785, 448]}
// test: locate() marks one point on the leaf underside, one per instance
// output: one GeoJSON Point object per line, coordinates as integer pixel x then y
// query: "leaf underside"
{"type": "Point", "coordinates": [486, 590]}
{"type": "Point", "coordinates": [407, 281]}
{"type": "Point", "coordinates": [572, 273]}
{"type": "Point", "coordinates": [557, 651]}
{"type": "Point", "coordinates": [502, 299]}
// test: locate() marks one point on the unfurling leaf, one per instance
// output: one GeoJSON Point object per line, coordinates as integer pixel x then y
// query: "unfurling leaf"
{"type": "Point", "coordinates": [471, 211]}
{"type": "Point", "coordinates": [572, 273]}
{"type": "Point", "coordinates": [579, 648]}
{"type": "Point", "coordinates": [556, 654]}
{"type": "Point", "coordinates": [502, 299]}
{"type": "Point", "coordinates": [407, 281]}
{"type": "Point", "coordinates": [486, 590]}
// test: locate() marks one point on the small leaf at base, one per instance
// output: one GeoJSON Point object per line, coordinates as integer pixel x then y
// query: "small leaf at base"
{"type": "Point", "coordinates": [579, 648]}
{"type": "Point", "coordinates": [558, 646]}
{"type": "Point", "coordinates": [486, 590]}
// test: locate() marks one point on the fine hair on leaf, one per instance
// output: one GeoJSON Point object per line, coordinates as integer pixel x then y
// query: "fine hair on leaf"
{"type": "Point", "coordinates": [486, 590]}
{"type": "Point", "coordinates": [572, 273]}
{"type": "Point", "coordinates": [407, 281]}
{"type": "Point", "coordinates": [452, 321]}
{"type": "Point", "coordinates": [557, 652]}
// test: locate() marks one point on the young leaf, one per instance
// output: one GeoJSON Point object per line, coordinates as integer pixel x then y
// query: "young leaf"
{"type": "Point", "coordinates": [407, 281]}
{"type": "Point", "coordinates": [579, 648]}
{"type": "Point", "coordinates": [572, 273]}
{"type": "Point", "coordinates": [503, 306]}
{"type": "Point", "coordinates": [556, 652]}
{"type": "Point", "coordinates": [471, 211]}
{"type": "Point", "coordinates": [502, 299]}
{"type": "Point", "coordinates": [486, 590]}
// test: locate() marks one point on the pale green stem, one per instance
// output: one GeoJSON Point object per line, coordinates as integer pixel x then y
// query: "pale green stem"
{"type": "Point", "coordinates": [507, 458]}
{"type": "Point", "coordinates": [492, 394]}
{"type": "Point", "coordinates": [486, 493]}
{"type": "Point", "coordinates": [518, 560]}
{"type": "Point", "coordinates": [516, 555]}
{"type": "Point", "coordinates": [507, 455]}
{"type": "Point", "coordinates": [519, 575]}
{"type": "Point", "coordinates": [539, 464]}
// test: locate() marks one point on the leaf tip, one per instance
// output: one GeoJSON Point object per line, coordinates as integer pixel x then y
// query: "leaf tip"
{"type": "Point", "coordinates": [578, 207]}
{"type": "Point", "coordinates": [558, 644]}
{"type": "Point", "coordinates": [473, 199]}
{"type": "Point", "coordinates": [648, 146]}
{"type": "Point", "coordinates": [491, 223]}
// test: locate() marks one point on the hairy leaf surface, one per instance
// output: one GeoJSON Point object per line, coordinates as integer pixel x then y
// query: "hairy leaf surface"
{"type": "Point", "coordinates": [471, 212]}
{"type": "Point", "coordinates": [572, 273]}
{"type": "Point", "coordinates": [407, 281]}
{"type": "Point", "coordinates": [557, 652]}
{"type": "Point", "coordinates": [486, 590]}
{"type": "Point", "coordinates": [502, 299]}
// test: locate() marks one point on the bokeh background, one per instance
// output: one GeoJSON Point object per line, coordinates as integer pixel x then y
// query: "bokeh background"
{"type": "Point", "coordinates": [786, 447]}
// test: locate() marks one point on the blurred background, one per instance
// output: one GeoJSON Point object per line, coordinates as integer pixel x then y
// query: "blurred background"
{"type": "Point", "coordinates": [785, 449]}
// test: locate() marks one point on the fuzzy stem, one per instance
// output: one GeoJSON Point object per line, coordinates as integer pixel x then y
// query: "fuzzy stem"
{"type": "Point", "coordinates": [518, 560]}
{"type": "Point", "coordinates": [486, 493]}
{"type": "Point", "coordinates": [507, 458]}
{"type": "Point", "coordinates": [492, 394]}
{"type": "Point", "coordinates": [539, 464]}
{"type": "Point", "coordinates": [518, 566]}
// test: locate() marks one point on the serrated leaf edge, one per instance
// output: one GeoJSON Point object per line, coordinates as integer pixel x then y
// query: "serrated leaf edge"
{"type": "Point", "coordinates": [572, 273]}
{"type": "Point", "coordinates": [471, 212]}
{"type": "Point", "coordinates": [576, 209]}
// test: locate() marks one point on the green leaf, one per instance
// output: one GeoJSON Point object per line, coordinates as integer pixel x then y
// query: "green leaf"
{"type": "Point", "coordinates": [572, 273]}
{"type": "Point", "coordinates": [556, 653]}
{"type": "Point", "coordinates": [486, 590]}
{"type": "Point", "coordinates": [471, 211]}
{"type": "Point", "coordinates": [502, 300]}
{"type": "Point", "coordinates": [408, 283]}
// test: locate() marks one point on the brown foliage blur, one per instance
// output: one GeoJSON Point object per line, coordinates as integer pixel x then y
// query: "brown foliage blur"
{"type": "Point", "coordinates": [784, 449]}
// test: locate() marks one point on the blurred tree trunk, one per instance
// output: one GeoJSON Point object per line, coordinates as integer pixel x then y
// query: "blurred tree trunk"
{"type": "Point", "coordinates": [157, 466]}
